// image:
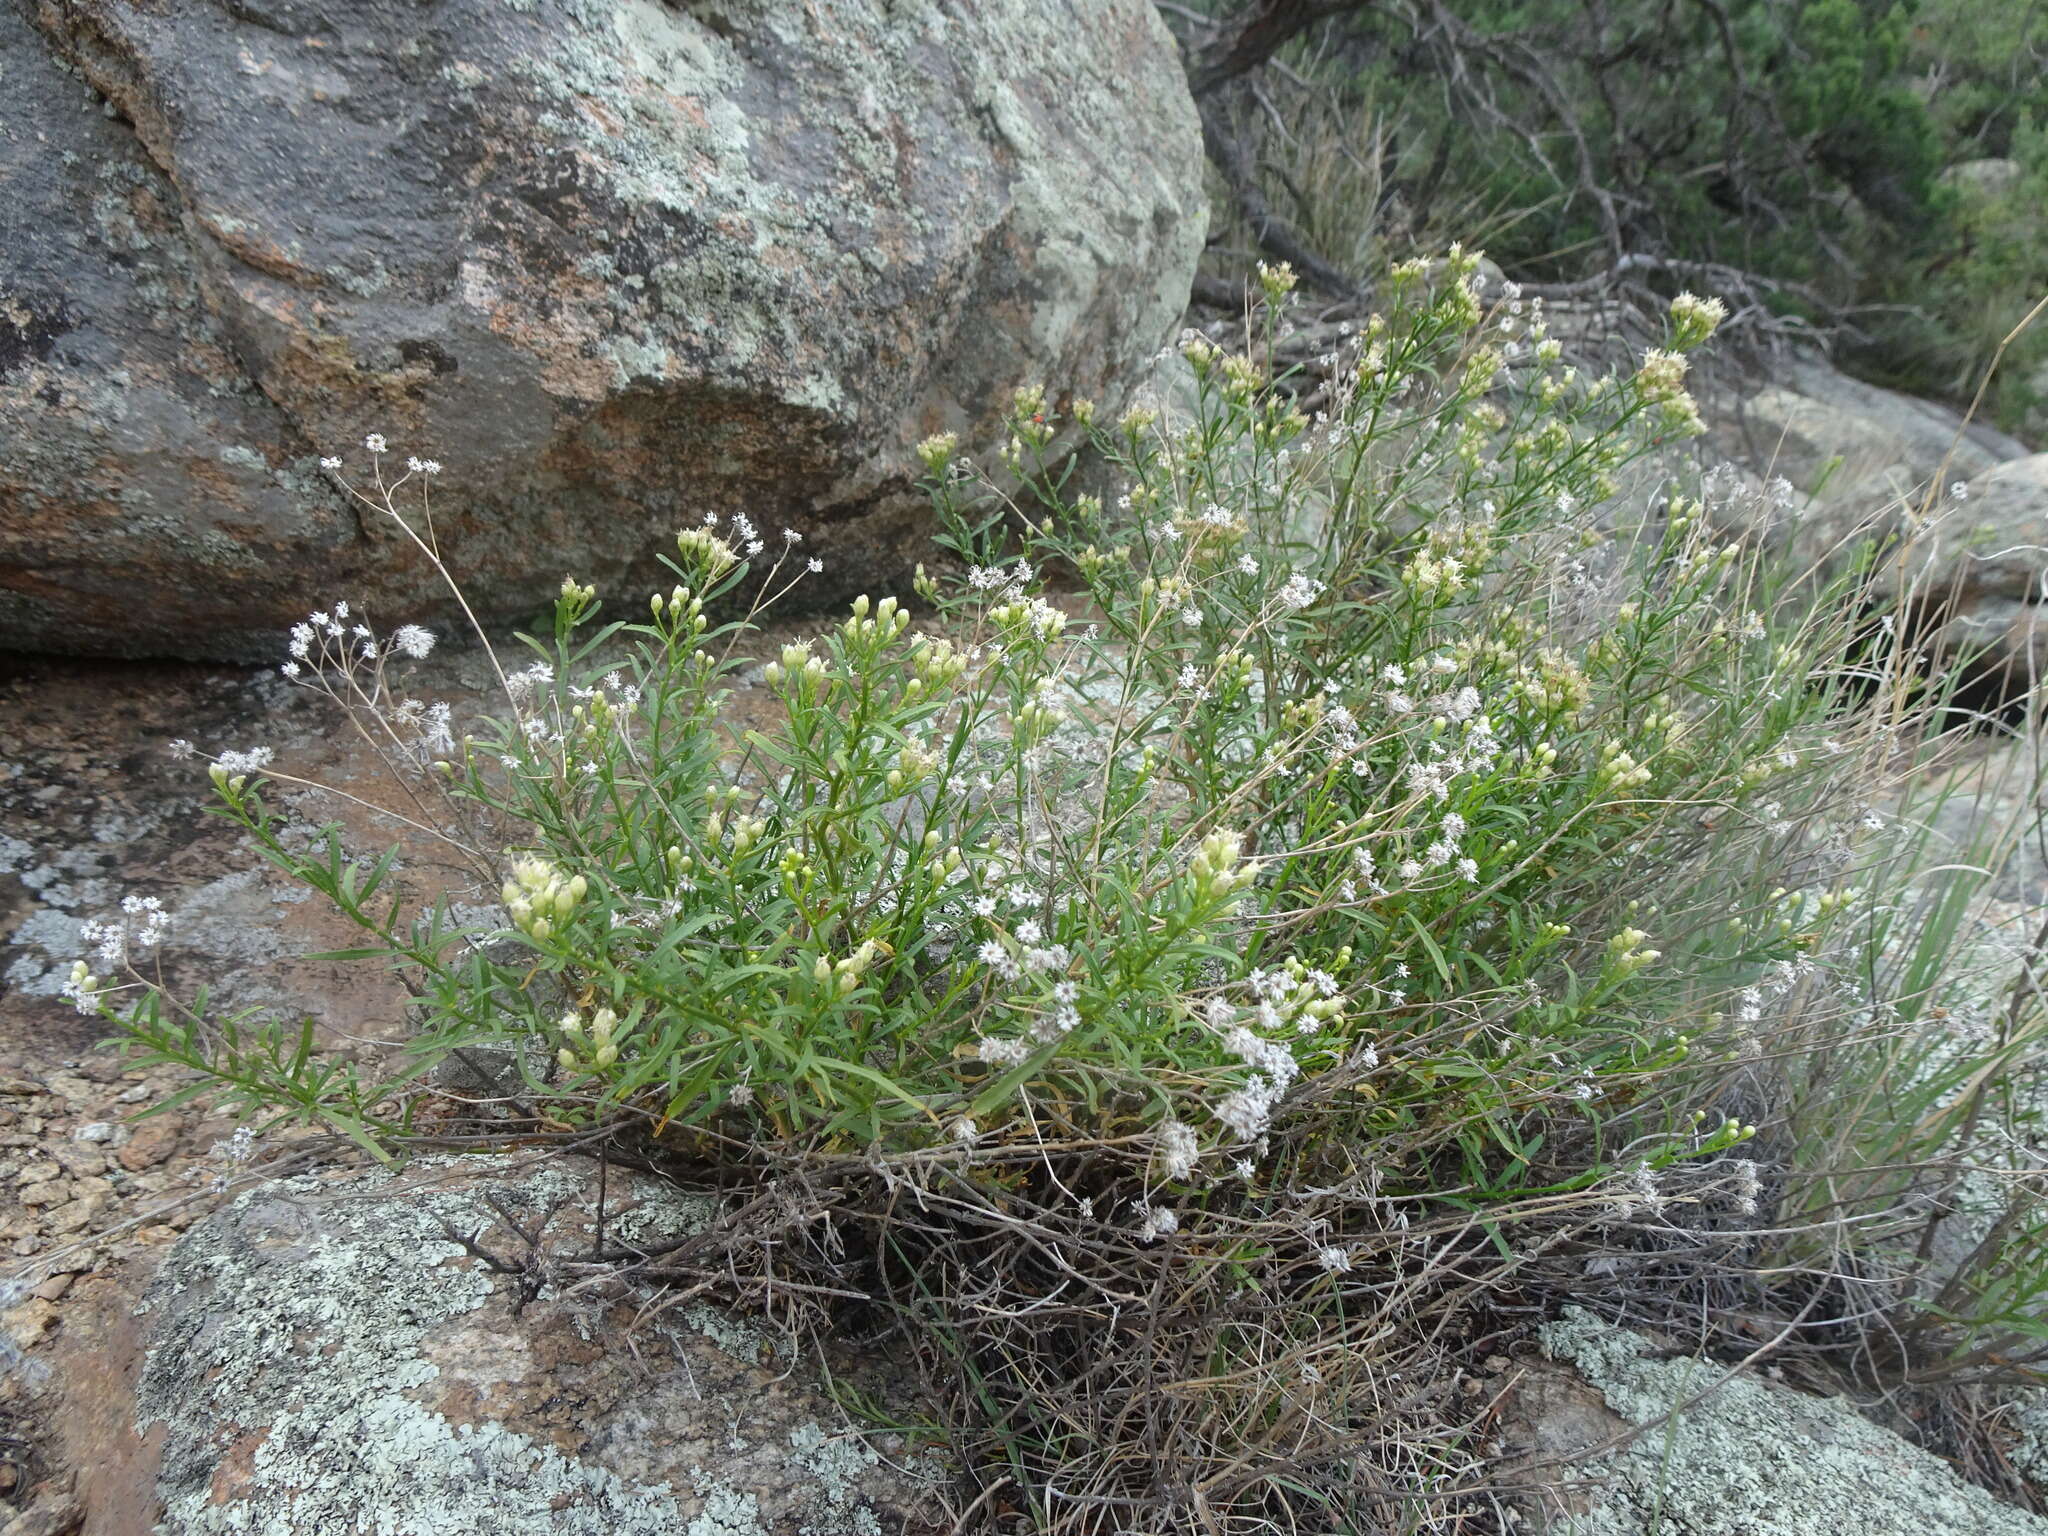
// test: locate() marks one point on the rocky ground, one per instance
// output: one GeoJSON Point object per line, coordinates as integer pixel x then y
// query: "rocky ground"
{"type": "Point", "coordinates": [95, 806]}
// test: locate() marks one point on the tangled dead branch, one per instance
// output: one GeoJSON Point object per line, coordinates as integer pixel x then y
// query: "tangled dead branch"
{"type": "Point", "coordinates": [1516, 85]}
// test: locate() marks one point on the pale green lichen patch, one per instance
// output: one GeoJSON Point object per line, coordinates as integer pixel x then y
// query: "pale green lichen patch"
{"type": "Point", "coordinates": [838, 1463]}
{"type": "Point", "coordinates": [726, 1512]}
{"type": "Point", "coordinates": [662, 1220]}
{"type": "Point", "coordinates": [733, 1334]}
{"type": "Point", "coordinates": [1755, 1459]}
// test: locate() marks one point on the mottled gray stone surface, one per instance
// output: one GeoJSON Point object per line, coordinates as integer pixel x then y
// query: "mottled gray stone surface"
{"type": "Point", "coordinates": [323, 1358]}
{"type": "Point", "coordinates": [1962, 507]}
{"type": "Point", "coordinates": [1750, 1459]}
{"type": "Point", "coordinates": [615, 263]}
{"type": "Point", "coordinates": [2030, 1454]}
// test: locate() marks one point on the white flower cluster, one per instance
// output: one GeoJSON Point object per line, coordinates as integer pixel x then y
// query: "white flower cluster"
{"type": "Point", "coordinates": [1155, 1222]}
{"type": "Point", "coordinates": [238, 1151]}
{"type": "Point", "coordinates": [431, 726]}
{"type": "Point", "coordinates": [1746, 1185]}
{"type": "Point", "coordinates": [81, 988]}
{"type": "Point", "coordinates": [321, 627]}
{"type": "Point", "coordinates": [155, 921]}
{"type": "Point", "coordinates": [330, 638]}
{"type": "Point", "coordinates": [1640, 1193]}
{"type": "Point", "coordinates": [1000, 1053]}
{"type": "Point", "coordinates": [1250, 1108]}
{"type": "Point", "coordinates": [1178, 1149]}
{"type": "Point", "coordinates": [1028, 618]}
{"type": "Point", "coordinates": [1779, 978]}
{"type": "Point", "coordinates": [233, 764]}
{"type": "Point", "coordinates": [1431, 777]}
{"type": "Point", "coordinates": [110, 943]}
{"type": "Point", "coordinates": [1443, 850]}
{"type": "Point", "coordinates": [412, 640]}
{"type": "Point", "coordinates": [1295, 1001]}
{"type": "Point", "coordinates": [1300, 590]}
{"type": "Point", "coordinates": [743, 531]}
{"type": "Point", "coordinates": [523, 685]}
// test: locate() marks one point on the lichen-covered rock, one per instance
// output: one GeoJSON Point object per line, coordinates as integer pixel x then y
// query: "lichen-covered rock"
{"type": "Point", "coordinates": [324, 1358]}
{"type": "Point", "coordinates": [2030, 1453]}
{"type": "Point", "coordinates": [1962, 507]}
{"type": "Point", "coordinates": [1988, 554]}
{"type": "Point", "coordinates": [1750, 1459]}
{"type": "Point", "coordinates": [1849, 449]}
{"type": "Point", "coordinates": [615, 263]}
{"type": "Point", "coordinates": [1980, 815]}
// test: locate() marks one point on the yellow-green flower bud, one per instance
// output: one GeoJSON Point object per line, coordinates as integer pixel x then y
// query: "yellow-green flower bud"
{"type": "Point", "coordinates": [1277, 280]}
{"type": "Point", "coordinates": [1694, 319]}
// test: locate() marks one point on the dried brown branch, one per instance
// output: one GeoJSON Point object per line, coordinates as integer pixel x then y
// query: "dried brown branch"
{"type": "Point", "coordinates": [1275, 234]}
{"type": "Point", "coordinates": [1253, 33]}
